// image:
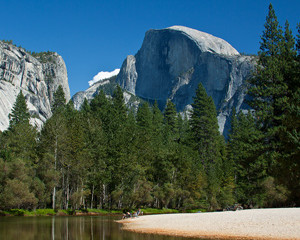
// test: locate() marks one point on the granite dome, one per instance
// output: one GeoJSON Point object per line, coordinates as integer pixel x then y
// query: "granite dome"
{"type": "Point", "coordinates": [173, 61]}
{"type": "Point", "coordinates": [207, 42]}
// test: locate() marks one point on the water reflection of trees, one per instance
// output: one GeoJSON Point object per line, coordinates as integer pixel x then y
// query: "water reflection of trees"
{"type": "Point", "coordinates": [68, 228]}
{"type": "Point", "coordinates": [55, 228]}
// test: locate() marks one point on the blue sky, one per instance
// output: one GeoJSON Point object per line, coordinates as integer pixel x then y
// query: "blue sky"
{"type": "Point", "coordinates": [94, 36]}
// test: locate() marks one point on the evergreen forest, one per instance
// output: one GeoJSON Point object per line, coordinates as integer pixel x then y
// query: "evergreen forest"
{"type": "Point", "coordinates": [107, 156]}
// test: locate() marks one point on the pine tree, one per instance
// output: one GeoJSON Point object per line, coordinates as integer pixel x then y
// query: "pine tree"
{"type": "Point", "coordinates": [267, 84]}
{"type": "Point", "coordinates": [289, 167]}
{"type": "Point", "coordinates": [245, 150]}
{"type": "Point", "coordinates": [144, 126]}
{"type": "Point", "coordinates": [271, 38]}
{"type": "Point", "coordinates": [76, 164]}
{"type": "Point", "coordinates": [59, 99]}
{"type": "Point", "coordinates": [170, 115]}
{"type": "Point", "coordinates": [171, 123]}
{"type": "Point", "coordinates": [20, 138]}
{"type": "Point", "coordinates": [274, 94]}
{"type": "Point", "coordinates": [119, 106]}
{"type": "Point", "coordinates": [288, 49]}
{"type": "Point", "coordinates": [53, 152]}
{"type": "Point", "coordinates": [204, 127]}
{"type": "Point", "coordinates": [206, 141]}
{"type": "Point", "coordinates": [117, 143]}
{"type": "Point", "coordinates": [183, 128]}
{"type": "Point", "coordinates": [101, 107]}
{"type": "Point", "coordinates": [269, 87]}
{"type": "Point", "coordinates": [157, 125]}
{"type": "Point", "coordinates": [144, 116]}
{"type": "Point", "coordinates": [85, 107]}
{"type": "Point", "coordinates": [19, 113]}
{"type": "Point", "coordinates": [18, 148]}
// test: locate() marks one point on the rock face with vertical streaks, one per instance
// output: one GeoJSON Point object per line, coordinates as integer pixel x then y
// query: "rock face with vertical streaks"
{"type": "Point", "coordinates": [37, 77]}
{"type": "Point", "coordinates": [173, 61]}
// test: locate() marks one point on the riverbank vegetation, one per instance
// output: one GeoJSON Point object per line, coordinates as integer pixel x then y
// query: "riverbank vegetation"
{"type": "Point", "coordinates": [87, 212]}
{"type": "Point", "coordinates": [106, 156]}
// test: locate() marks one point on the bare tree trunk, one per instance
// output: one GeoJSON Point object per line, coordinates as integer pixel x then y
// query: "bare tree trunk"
{"type": "Point", "coordinates": [55, 160]}
{"type": "Point", "coordinates": [53, 198]}
{"type": "Point", "coordinates": [104, 195]}
{"type": "Point", "coordinates": [92, 199]}
{"type": "Point", "coordinates": [82, 200]}
{"type": "Point", "coordinates": [63, 189]}
{"type": "Point", "coordinates": [81, 197]}
{"type": "Point", "coordinates": [67, 190]}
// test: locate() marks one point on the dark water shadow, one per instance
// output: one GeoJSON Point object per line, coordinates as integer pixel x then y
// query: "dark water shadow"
{"type": "Point", "coordinates": [70, 228]}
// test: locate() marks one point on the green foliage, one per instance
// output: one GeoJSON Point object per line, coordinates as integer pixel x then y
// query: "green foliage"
{"type": "Point", "coordinates": [8, 42]}
{"type": "Point", "coordinates": [245, 150]}
{"type": "Point", "coordinates": [110, 87]}
{"type": "Point", "coordinates": [195, 210]}
{"type": "Point", "coordinates": [17, 212]}
{"type": "Point", "coordinates": [19, 113]}
{"type": "Point", "coordinates": [59, 100]}
{"type": "Point", "coordinates": [204, 127]}
{"type": "Point", "coordinates": [158, 211]}
{"type": "Point", "coordinates": [275, 93]}
{"type": "Point", "coordinates": [44, 57]}
{"type": "Point", "coordinates": [206, 140]}
{"type": "Point", "coordinates": [274, 194]}
{"type": "Point", "coordinates": [17, 194]}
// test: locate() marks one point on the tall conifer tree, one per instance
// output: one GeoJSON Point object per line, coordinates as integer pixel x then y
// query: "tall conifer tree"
{"type": "Point", "coordinates": [206, 141]}
{"type": "Point", "coordinates": [269, 88]}
{"type": "Point", "coordinates": [204, 126]}
{"type": "Point", "coordinates": [245, 150]}
{"type": "Point", "coordinates": [59, 100]}
{"type": "Point", "coordinates": [19, 113]}
{"type": "Point", "coordinates": [273, 90]}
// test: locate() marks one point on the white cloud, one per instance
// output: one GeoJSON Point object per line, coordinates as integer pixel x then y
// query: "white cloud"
{"type": "Point", "coordinates": [103, 75]}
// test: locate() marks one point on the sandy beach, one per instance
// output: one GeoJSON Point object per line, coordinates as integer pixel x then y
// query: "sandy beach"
{"type": "Point", "coordinates": [281, 223]}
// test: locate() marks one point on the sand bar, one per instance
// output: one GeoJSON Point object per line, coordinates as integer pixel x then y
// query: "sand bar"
{"type": "Point", "coordinates": [281, 223]}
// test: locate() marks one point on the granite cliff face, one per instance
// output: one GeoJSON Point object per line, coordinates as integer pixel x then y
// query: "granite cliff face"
{"type": "Point", "coordinates": [38, 77]}
{"type": "Point", "coordinates": [107, 85]}
{"type": "Point", "coordinates": [88, 94]}
{"type": "Point", "coordinates": [173, 61]}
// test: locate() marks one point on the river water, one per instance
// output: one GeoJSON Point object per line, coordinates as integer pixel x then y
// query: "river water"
{"type": "Point", "coordinates": [69, 228]}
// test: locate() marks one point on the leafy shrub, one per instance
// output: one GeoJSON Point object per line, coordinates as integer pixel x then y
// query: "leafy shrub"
{"type": "Point", "coordinates": [17, 212]}
{"type": "Point", "coordinates": [44, 212]}
{"type": "Point", "coordinates": [158, 211]}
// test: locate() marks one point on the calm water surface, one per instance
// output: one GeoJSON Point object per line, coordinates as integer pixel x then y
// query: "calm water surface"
{"type": "Point", "coordinates": [69, 228]}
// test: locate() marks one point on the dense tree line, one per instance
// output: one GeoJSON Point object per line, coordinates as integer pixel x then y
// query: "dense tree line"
{"type": "Point", "coordinates": [109, 156]}
{"type": "Point", "coordinates": [264, 143]}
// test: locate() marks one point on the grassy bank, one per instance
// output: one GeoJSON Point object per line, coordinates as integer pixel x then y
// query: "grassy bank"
{"type": "Point", "coordinates": [69, 212]}
{"type": "Point", "coordinates": [60, 212]}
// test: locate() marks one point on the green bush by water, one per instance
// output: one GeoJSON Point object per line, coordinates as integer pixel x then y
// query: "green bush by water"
{"type": "Point", "coordinates": [158, 211]}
